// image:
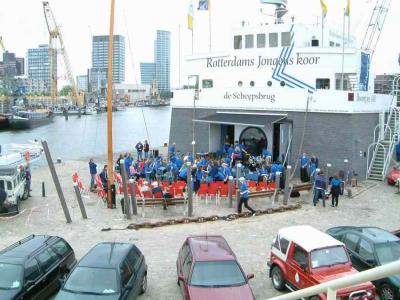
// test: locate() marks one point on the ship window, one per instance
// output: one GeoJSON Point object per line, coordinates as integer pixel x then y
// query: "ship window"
{"type": "Point", "coordinates": [323, 84]}
{"type": "Point", "coordinates": [249, 39]}
{"type": "Point", "coordinates": [261, 40]}
{"type": "Point", "coordinates": [282, 83]}
{"type": "Point", "coordinates": [273, 39]}
{"type": "Point", "coordinates": [240, 83]}
{"type": "Point", "coordinates": [237, 42]}
{"type": "Point", "coordinates": [269, 83]}
{"type": "Point", "coordinates": [314, 43]}
{"type": "Point", "coordinates": [207, 83]}
{"type": "Point", "coordinates": [337, 45]}
{"type": "Point", "coordinates": [285, 39]}
{"type": "Point", "coordinates": [252, 83]}
{"type": "Point", "coordinates": [331, 44]}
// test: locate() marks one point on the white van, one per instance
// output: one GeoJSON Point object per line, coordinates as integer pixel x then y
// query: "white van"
{"type": "Point", "coordinates": [12, 181]}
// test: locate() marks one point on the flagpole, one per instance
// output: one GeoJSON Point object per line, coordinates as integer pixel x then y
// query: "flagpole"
{"type": "Point", "coordinates": [179, 64]}
{"type": "Point", "coordinates": [344, 22]}
{"type": "Point", "coordinates": [209, 21]}
{"type": "Point", "coordinates": [323, 22]}
{"type": "Point", "coordinates": [192, 38]}
{"type": "Point", "coordinates": [348, 29]}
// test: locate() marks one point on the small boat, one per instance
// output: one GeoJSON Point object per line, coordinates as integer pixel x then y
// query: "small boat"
{"type": "Point", "coordinates": [30, 119]}
{"type": "Point", "coordinates": [4, 121]}
{"type": "Point", "coordinates": [16, 154]}
{"type": "Point", "coordinates": [90, 111]}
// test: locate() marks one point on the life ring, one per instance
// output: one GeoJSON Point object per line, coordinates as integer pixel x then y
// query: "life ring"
{"type": "Point", "coordinates": [27, 156]}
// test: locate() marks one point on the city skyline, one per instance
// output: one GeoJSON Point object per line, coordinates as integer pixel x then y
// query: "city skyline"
{"type": "Point", "coordinates": [27, 28]}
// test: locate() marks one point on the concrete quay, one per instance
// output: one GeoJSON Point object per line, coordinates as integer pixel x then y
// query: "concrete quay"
{"type": "Point", "coordinates": [374, 204]}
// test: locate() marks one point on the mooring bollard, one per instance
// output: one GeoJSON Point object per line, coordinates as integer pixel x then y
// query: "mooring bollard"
{"type": "Point", "coordinates": [133, 196]}
{"type": "Point", "coordinates": [238, 167]}
{"type": "Point", "coordinates": [80, 202]}
{"type": "Point", "coordinates": [277, 184]}
{"type": "Point", "coordinates": [287, 189]}
{"type": "Point", "coordinates": [143, 204]}
{"type": "Point", "coordinates": [43, 190]}
{"type": "Point", "coordinates": [230, 190]}
{"type": "Point", "coordinates": [56, 181]}
{"type": "Point", "coordinates": [127, 203]}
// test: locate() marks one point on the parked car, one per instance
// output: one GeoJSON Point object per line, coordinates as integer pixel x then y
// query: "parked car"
{"type": "Point", "coordinates": [12, 189]}
{"type": "Point", "coordinates": [393, 175]}
{"type": "Point", "coordinates": [208, 269]}
{"type": "Point", "coordinates": [31, 268]}
{"type": "Point", "coordinates": [302, 256]}
{"type": "Point", "coordinates": [108, 271]}
{"type": "Point", "coordinates": [370, 247]}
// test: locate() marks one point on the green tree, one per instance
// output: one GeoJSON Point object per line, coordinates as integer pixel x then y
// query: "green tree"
{"type": "Point", "coordinates": [66, 90]}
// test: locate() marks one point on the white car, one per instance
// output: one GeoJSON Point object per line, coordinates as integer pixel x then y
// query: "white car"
{"type": "Point", "coordinates": [13, 183]}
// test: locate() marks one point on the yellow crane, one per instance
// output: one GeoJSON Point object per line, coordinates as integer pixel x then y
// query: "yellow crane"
{"type": "Point", "coordinates": [54, 36]}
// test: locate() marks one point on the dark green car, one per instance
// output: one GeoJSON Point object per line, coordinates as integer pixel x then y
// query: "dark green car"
{"type": "Point", "coordinates": [369, 247]}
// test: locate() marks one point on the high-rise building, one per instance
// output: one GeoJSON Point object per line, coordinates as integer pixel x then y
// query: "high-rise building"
{"type": "Point", "coordinates": [98, 72]}
{"type": "Point", "coordinates": [39, 67]}
{"type": "Point", "coordinates": [162, 59]}
{"type": "Point", "coordinates": [82, 83]}
{"type": "Point", "coordinates": [147, 73]}
{"type": "Point", "coordinates": [160, 70]}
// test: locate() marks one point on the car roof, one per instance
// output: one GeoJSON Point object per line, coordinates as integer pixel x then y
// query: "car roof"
{"type": "Point", "coordinates": [106, 255]}
{"type": "Point", "coordinates": [374, 234]}
{"type": "Point", "coordinates": [308, 237]}
{"type": "Point", "coordinates": [22, 249]}
{"type": "Point", "coordinates": [210, 248]}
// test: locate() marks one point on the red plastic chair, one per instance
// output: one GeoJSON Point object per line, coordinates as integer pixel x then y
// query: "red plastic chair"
{"type": "Point", "coordinates": [262, 186]}
{"type": "Point", "coordinates": [164, 185]}
{"type": "Point", "coordinates": [224, 191]}
{"type": "Point", "coordinates": [147, 194]}
{"type": "Point", "coordinates": [271, 185]}
{"type": "Point", "coordinates": [213, 192]}
{"type": "Point", "coordinates": [252, 184]}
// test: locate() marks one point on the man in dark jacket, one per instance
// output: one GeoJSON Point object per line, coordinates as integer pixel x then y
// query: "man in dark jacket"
{"type": "Point", "coordinates": [146, 149]}
{"type": "Point", "coordinates": [319, 188]}
{"type": "Point", "coordinates": [93, 173]}
{"type": "Point", "coordinates": [139, 149]}
{"type": "Point", "coordinates": [104, 177]}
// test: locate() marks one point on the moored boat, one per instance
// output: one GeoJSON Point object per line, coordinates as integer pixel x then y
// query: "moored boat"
{"type": "Point", "coordinates": [4, 121]}
{"type": "Point", "coordinates": [30, 119]}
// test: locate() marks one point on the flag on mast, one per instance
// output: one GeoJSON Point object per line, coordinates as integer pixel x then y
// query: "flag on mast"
{"type": "Point", "coordinates": [348, 8]}
{"type": "Point", "coordinates": [190, 16]}
{"type": "Point", "coordinates": [204, 5]}
{"type": "Point", "coordinates": [324, 8]}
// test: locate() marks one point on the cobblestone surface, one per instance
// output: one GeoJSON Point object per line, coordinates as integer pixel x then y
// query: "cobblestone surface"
{"type": "Point", "coordinates": [375, 204]}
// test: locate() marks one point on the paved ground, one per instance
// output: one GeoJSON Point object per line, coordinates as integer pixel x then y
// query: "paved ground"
{"type": "Point", "coordinates": [376, 205]}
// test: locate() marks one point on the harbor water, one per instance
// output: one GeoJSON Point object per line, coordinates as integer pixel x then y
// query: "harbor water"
{"type": "Point", "coordinates": [83, 137]}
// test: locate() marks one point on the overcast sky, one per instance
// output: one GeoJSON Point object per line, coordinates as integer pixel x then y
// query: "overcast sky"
{"type": "Point", "coordinates": [22, 26]}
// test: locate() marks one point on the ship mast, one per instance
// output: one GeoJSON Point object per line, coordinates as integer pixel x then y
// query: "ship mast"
{"type": "Point", "coordinates": [109, 107]}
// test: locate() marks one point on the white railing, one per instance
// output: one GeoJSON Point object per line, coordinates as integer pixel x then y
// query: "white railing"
{"type": "Point", "coordinates": [394, 141]}
{"type": "Point", "coordinates": [331, 287]}
{"type": "Point", "coordinates": [370, 162]}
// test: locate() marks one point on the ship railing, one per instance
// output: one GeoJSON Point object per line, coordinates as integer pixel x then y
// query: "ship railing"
{"type": "Point", "coordinates": [331, 287]}
{"type": "Point", "coordinates": [394, 141]}
{"type": "Point", "coordinates": [374, 149]}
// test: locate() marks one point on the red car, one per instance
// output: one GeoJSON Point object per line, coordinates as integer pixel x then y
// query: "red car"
{"type": "Point", "coordinates": [208, 269]}
{"type": "Point", "coordinates": [302, 256]}
{"type": "Point", "coordinates": [394, 175]}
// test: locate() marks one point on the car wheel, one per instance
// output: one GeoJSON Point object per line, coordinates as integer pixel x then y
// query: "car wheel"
{"type": "Point", "coordinates": [277, 278]}
{"type": "Point", "coordinates": [25, 195]}
{"type": "Point", "coordinates": [143, 286]}
{"type": "Point", "coordinates": [387, 292]}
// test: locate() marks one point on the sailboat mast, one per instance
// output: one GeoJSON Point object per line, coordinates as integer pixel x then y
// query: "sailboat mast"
{"type": "Point", "coordinates": [109, 105]}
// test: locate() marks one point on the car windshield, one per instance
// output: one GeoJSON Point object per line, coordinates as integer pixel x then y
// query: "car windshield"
{"type": "Point", "coordinates": [217, 274]}
{"type": "Point", "coordinates": [10, 276]}
{"type": "Point", "coordinates": [92, 281]}
{"type": "Point", "coordinates": [328, 257]}
{"type": "Point", "coordinates": [388, 252]}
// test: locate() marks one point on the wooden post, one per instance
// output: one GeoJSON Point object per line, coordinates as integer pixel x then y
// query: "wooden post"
{"type": "Point", "coordinates": [238, 166]}
{"type": "Point", "coordinates": [230, 190]}
{"type": "Point", "coordinates": [127, 203]}
{"type": "Point", "coordinates": [80, 202]}
{"type": "Point", "coordinates": [277, 182]}
{"type": "Point", "coordinates": [109, 106]}
{"type": "Point", "coordinates": [189, 189]}
{"type": "Point", "coordinates": [133, 196]}
{"type": "Point", "coordinates": [287, 189]}
{"type": "Point", "coordinates": [56, 181]}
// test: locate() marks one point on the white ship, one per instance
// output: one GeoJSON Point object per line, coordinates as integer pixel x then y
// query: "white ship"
{"type": "Point", "coordinates": [278, 81]}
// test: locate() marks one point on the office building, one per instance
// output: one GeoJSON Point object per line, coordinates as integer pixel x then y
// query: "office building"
{"type": "Point", "coordinates": [162, 59]}
{"type": "Point", "coordinates": [38, 66]}
{"type": "Point", "coordinates": [98, 72]}
{"type": "Point", "coordinates": [82, 83]}
{"type": "Point", "coordinates": [147, 73]}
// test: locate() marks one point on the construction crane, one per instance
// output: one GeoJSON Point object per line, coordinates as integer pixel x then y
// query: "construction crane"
{"type": "Point", "coordinates": [375, 26]}
{"type": "Point", "coordinates": [2, 44]}
{"type": "Point", "coordinates": [54, 35]}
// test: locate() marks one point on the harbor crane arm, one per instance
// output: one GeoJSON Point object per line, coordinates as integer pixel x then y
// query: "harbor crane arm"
{"type": "Point", "coordinates": [2, 44]}
{"type": "Point", "coordinates": [55, 33]}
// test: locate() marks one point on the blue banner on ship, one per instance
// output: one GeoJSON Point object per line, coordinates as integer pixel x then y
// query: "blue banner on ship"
{"type": "Point", "coordinates": [364, 72]}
